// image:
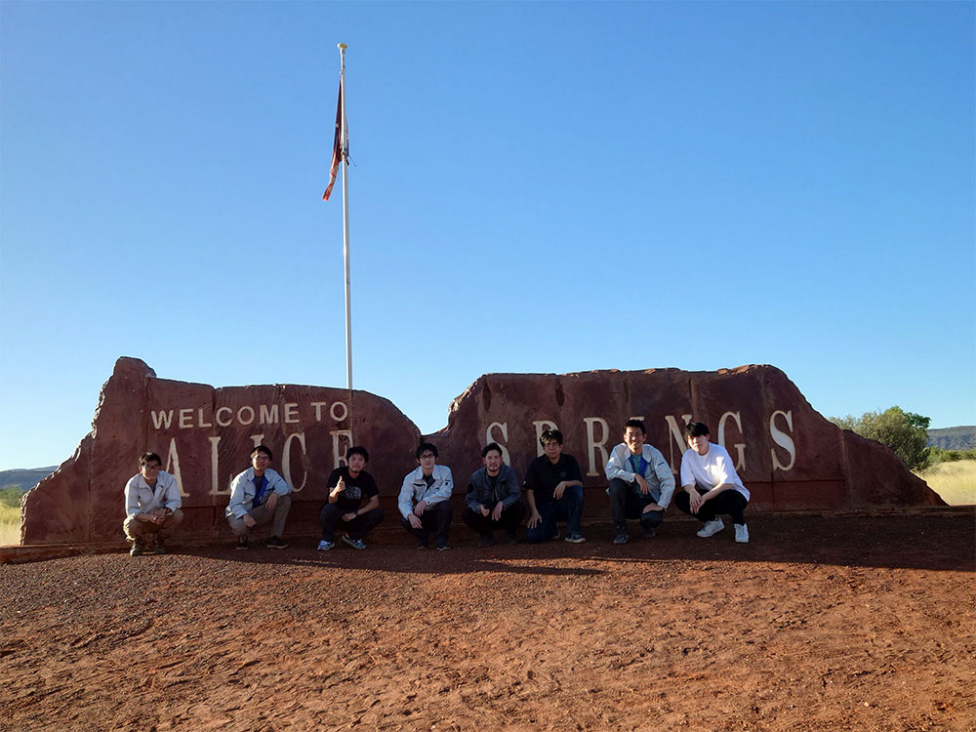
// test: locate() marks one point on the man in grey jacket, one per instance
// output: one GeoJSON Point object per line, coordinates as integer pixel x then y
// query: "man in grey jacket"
{"type": "Point", "coordinates": [258, 496]}
{"type": "Point", "coordinates": [425, 499]}
{"type": "Point", "coordinates": [152, 505]}
{"type": "Point", "coordinates": [493, 498]}
{"type": "Point", "coordinates": [641, 483]}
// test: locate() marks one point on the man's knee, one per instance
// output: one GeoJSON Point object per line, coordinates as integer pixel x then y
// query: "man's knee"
{"type": "Point", "coordinates": [618, 487]}
{"type": "Point", "coordinates": [652, 518]}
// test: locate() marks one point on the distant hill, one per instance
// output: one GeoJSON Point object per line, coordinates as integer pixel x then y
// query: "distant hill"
{"type": "Point", "coordinates": [24, 479]}
{"type": "Point", "coordinates": [954, 438]}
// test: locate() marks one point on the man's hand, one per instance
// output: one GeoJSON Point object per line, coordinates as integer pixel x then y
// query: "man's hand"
{"type": "Point", "coordinates": [534, 520]}
{"type": "Point", "coordinates": [272, 501]}
{"type": "Point", "coordinates": [484, 509]}
{"type": "Point", "coordinates": [419, 509]}
{"type": "Point", "coordinates": [249, 522]}
{"type": "Point", "coordinates": [339, 488]}
{"type": "Point", "coordinates": [351, 516]}
{"type": "Point", "coordinates": [497, 513]}
{"type": "Point", "coordinates": [639, 479]}
{"type": "Point", "coordinates": [559, 490]}
{"type": "Point", "coordinates": [157, 516]}
{"type": "Point", "coordinates": [695, 500]}
{"type": "Point", "coordinates": [652, 507]}
{"type": "Point", "coordinates": [415, 521]}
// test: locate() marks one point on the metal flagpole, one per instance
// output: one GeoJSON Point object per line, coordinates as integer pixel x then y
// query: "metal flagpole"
{"type": "Point", "coordinates": [344, 142]}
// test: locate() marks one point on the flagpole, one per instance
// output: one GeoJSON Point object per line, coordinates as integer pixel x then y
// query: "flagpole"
{"type": "Point", "coordinates": [345, 213]}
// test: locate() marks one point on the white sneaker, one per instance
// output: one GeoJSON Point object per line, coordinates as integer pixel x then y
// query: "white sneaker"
{"type": "Point", "coordinates": [711, 528]}
{"type": "Point", "coordinates": [741, 533]}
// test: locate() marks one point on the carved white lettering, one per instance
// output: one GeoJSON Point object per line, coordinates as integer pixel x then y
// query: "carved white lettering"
{"type": "Point", "coordinates": [678, 435]}
{"type": "Point", "coordinates": [173, 466]}
{"type": "Point", "coordinates": [345, 411]}
{"type": "Point", "coordinates": [217, 414]}
{"type": "Point", "coordinates": [318, 410]}
{"type": "Point", "coordinates": [268, 414]}
{"type": "Point", "coordinates": [286, 458]}
{"type": "Point", "coordinates": [592, 444]}
{"type": "Point", "coordinates": [291, 413]}
{"type": "Point", "coordinates": [541, 426]}
{"type": "Point", "coordinates": [503, 426]}
{"type": "Point", "coordinates": [782, 439]}
{"type": "Point", "coordinates": [215, 468]}
{"type": "Point", "coordinates": [201, 420]}
{"type": "Point", "coordinates": [256, 440]}
{"type": "Point", "coordinates": [249, 412]}
{"type": "Point", "coordinates": [339, 458]}
{"type": "Point", "coordinates": [186, 418]}
{"type": "Point", "coordinates": [740, 447]}
{"type": "Point", "coordinates": [162, 418]}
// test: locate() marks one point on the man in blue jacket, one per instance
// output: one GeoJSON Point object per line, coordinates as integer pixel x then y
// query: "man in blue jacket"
{"type": "Point", "coordinates": [493, 498]}
{"type": "Point", "coordinates": [258, 496]}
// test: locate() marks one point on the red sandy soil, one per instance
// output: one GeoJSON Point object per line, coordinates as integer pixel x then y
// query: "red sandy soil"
{"type": "Point", "coordinates": [854, 623]}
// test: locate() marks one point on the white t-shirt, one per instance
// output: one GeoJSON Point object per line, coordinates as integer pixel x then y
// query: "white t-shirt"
{"type": "Point", "coordinates": [710, 470]}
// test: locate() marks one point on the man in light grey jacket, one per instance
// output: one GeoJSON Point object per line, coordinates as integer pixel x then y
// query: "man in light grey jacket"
{"type": "Point", "coordinates": [258, 496]}
{"type": "Point", "coordinates": [152, 506]}
{"type": "Point", "coordinates": [425, 499]}
{"type": "Point", "coordinates": [641, 483]}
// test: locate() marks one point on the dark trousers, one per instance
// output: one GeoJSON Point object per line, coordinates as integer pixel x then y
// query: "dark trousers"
{"type": "Point", "coordinates": [627, 502]}
{"type": "Point", "coordinates": [729, 502]}
{"type": "Point", "coordinates": [331, 519]}
{"type": "Point", "coordinates": [509, 520]}
{"type": "Point", "coordinates": [569, 508]}
{"type": "Point", "coordinates": [436, 518]}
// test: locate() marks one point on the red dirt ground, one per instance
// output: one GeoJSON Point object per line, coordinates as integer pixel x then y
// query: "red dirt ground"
{"type": "Point", "coordinates": [853, 623]}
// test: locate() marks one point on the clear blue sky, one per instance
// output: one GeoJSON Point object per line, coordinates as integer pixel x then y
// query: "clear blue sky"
{"type": "Point", "coordinates": [536, 187]}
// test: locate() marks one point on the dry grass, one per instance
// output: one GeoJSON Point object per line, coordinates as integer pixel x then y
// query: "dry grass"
{"type": "Point", "coordinates": [10, 516]}
{"type": "Point", "coordinates": [955, 481]}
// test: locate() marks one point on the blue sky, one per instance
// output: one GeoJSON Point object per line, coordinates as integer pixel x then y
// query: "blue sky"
{"type": "Point", "coordinates": [536, 187]}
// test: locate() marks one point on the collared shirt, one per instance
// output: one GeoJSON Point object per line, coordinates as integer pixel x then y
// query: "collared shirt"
{"type": "Point", "coordinates": [415, 488]}
{"type": "Point", "coordinates": [242, 491]}
{"type": "Point", "coordinates": [657, 473]}
{"type": "Point", "coordinates": [140, 497]}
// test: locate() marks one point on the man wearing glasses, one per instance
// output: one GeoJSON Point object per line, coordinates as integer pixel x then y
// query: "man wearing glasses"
{"type": "Point", "coordinates": [152, 506]}
{"type": "Point", "coordinates": [425, 499]}
{"type": "Point", "coordinates": [258, 496]}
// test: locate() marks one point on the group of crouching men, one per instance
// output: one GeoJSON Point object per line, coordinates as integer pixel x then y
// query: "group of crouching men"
{"type": "Point", "coordinates": [641, 487]}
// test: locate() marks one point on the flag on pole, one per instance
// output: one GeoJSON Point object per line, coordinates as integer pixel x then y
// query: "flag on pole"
{"type": "Point", "coordinates": [336, 148]}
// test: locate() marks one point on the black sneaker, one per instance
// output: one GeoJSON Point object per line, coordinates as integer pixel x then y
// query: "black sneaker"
{"type": "Point", "coordinates": [649, 532]}
{"type": "Point", "coordinates": [621, 538]}
{"type": "Point", "coordinates": [242, 542]}
{"type": "Point", "coordinates": [512, 537]}
{"type": "Point", "coordinates": [442, 547]}
{"type": "Point", "coordinates": [486, 540]}
{"type": "Point", "coordinates": [160, 545]}
{"type": "Point", "coordinates": [276, 542]}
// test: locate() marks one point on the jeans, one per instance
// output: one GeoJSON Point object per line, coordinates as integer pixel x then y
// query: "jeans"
{"type": "Point", "coordinates": [510, 519]}
{"type": "Point", "coordinates": [569, 508]}
{"type": "Point", "coordinates": [627, 502]}
{"type": "Point", "coordinates": [436, 518]}
{"type": "Point", "coordinates": [331, 519]}
{"type": "Point", "coordinates": [729, 502]}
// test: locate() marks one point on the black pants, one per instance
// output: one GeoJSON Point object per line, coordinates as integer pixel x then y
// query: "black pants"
{"type": "Point", "coordinates": [627, 502]}
{"type": "Point", "coordinates": [729, 502]}
{"type": "Point", "coordinates": [510, 519]}
{"type": "Point", "coordinates": [436, 518]}
{"type": "Point", "coordinates": [331, 519]}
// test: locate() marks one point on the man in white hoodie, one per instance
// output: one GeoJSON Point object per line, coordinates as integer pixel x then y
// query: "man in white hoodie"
{"type": "Point", "coordinates": [710, 485]}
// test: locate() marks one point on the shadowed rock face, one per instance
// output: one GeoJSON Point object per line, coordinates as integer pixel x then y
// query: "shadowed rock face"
{"type": "Point", "coordinates": [789, 456]}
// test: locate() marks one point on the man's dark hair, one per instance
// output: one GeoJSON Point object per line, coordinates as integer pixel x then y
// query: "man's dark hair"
{"type": "Point", "coordinates": [696, 429]}
{"type": "Point", "coordinates": [357, 450]}
{"type": "Point", "coordinates": [265, 450]}
{"type": "Point", "coordinates": [551, 435]}
{"type": "Point", "coordinates": [424, 447]}
{"type": "Point", "coordinates": [489, 447]}
{"type": "Point", "coordinates": [637, 424]}
{"type": "Point", "coordinates": [148, 457]}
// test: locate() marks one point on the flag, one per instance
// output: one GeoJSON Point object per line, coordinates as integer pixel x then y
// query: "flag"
{"type": "Point", "coordinates": [336, 148]}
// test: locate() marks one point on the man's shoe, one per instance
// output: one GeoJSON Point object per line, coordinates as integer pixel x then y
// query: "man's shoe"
{"type": "Point", "coordinates": [575, 538]}
{"type": "Point", "coordinates": [485, 540]}
{"type": "Point", "coordinates": [649, 533]}
{"type": "Point", "coordinates": [741, 534]}
{"type": "Point", "coordinates": [711, 528]}
{"type": "Point", "coordinates": [242, 542]}
{"type": "Point", "coordinates": [354, 543]}
{"type": "Point", "coordinates": [512, 537]}
{"type": "Point", "coordinates": [161, 545]}
{"type": "Point", "coordinates": [137, 547]}
{"type": "Point", "coordinates": [421, 543]}
{"type": "Point", "coordinates": [442, 547]}
{"type": "Point", "coordinates": [324, 545]}
{"type": "Point", "coordinates": [276, 542]}
{"type": "Point", "coordinates": [621, 538]}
